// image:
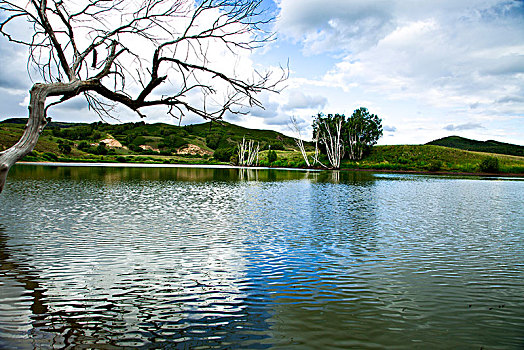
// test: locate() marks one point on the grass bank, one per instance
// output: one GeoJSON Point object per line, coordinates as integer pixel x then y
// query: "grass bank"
{"type": "Point", "coordinates": [433, 158]}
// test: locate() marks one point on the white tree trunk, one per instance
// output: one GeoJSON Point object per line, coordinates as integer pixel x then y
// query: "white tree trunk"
{"type": "Point", "coordinates": [298, 140]}
{"type": "Point", "coordinates": [333, 143]}
{"type": "Point", "coordinates": [35, 124]}
{"type": "Point", "coordinates": [33, 129]}
{"type": "Point", "coordinates": [247, 153]}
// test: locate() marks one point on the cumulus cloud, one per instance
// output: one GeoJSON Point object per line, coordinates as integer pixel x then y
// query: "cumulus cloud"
{"type": "Point", "coordinates": [462, 127]}
{"type": "Point", "coordinates": [511, 99]}
{"type": "Point", "coordinates": [390, 128]}
{"type": "Point", "coordinates": [328, 25]}
{"type": "Point", "coordinates": [461, 58]}
{"type": "Point", "coordinates": [278, 120]}
{"type": "Point", "coordinates": [299, 100]}
{"type": "Point", "coordinates": [269, 110]}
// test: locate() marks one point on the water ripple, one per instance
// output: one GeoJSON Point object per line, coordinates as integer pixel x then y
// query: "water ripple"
{"type": "Point", "coordinates": [208, 258]}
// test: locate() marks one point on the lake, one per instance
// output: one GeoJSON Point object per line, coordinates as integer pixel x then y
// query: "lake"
{"type": "Point", "coordinates": [194, 257]}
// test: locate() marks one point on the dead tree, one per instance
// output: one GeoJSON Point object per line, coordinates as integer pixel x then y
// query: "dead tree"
{"type": "Point", "coordinates": [248, 153]}
{"type": "Point", "coordinates": [332, 139]}
{"type": "Point", "coordinates": [139, 54]}
{"type": "Point", "coordinates": [298, 139]}
{"type": "Point", "coordinates": [316, 155]}
{"type": "Point", "coordinates": [300, 144]}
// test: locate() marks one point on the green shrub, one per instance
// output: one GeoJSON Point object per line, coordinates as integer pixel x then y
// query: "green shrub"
{"type": "Point", "coordinates": [489, 165]}
{"type": "Point", "coordinates": [50, 156]}
{"type": "Point", "coordinates": [403, 160]}
{"type": "Point", "coordinates": [213, 140]}
{"type": "Point", "coordinates": [435, 165]}
{"type": "Point", "coordinates": [301, 164]}
{"type": "Point", "coordinates": [83, 146]}
{"type": "Point", "coordinates": [224, 154]}
{"type": "Point", "coordinates": [64, 148]}
{"type": "Point", "coordinates": [271, 156]}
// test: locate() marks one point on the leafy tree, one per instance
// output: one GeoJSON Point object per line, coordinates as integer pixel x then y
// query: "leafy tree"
{"type": "Point", "coordinates": [135, 148]}
{"type": "Point", "coordinates": [224, 154]}
{"type": "Point", "coordinates": [101, 149]}
{"type": "Point", "coordinates": [361, 131]}
{"type": "Point", "coordinates": [64, 148]}
{"type": "Point", "coordinates": [83, 146]}
{"type": "Point", "coordinates": [213, 140]}
{"type": "Point", "coordinates": [356, 134]}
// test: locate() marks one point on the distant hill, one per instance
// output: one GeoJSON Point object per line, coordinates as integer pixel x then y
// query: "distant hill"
{"type": "Point", "coordinates": [489, 146]}
{"type": "Point", "coordinates": [82, 139]}
{"type": "Point", "coordinates": [23, 121]}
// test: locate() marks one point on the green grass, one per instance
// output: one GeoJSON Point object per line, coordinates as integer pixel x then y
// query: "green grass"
{"type": "Point", "coordinates": [432, 158]}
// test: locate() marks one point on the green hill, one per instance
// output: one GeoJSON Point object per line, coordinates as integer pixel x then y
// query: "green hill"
{"type": "Point", "coordinates": [191, 143]}
{"type": "Point", "coordinates": [489, 146]}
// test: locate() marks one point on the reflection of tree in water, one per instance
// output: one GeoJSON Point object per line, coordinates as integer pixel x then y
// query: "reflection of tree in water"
{"type": "Point", "coordinates": [48, 328]}
{"type": "Point", "coordinates": [201, 306]}
{"type": "Point", "coordinates": [313, 244]}
{"type": "Point", "coordinates": [248, 174]}
{"type": "Point", "coordinates": [23, 277]}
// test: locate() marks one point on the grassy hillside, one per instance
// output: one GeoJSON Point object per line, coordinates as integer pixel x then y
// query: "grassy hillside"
{"type": "Point", "coordinates": [125, 142]}
{"type": "Point", "coordinates": [433, 158]}
{"type": "Point", "coordinates": [215, 144]}
{"type": "Point", "coordinates": [479, 146]}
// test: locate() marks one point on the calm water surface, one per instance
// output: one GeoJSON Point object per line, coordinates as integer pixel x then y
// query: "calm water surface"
{"type": "Point", "coordinates": [101, 257]}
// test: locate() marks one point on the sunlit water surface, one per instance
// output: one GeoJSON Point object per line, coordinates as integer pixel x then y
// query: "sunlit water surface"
{"type": "Point", "coordinates": [99, 257]}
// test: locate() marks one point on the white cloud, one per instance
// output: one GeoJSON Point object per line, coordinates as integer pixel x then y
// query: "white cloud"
{"type": "Point", "coordinates": [299, 100]}
{"type": "Point", "coordinates": [390, 128]}
{"type": "Point", "coordinates": [331, 25]}
{"type": "Point", "coordinates": [233, 61]}
{"type": "Point", "coordinates": [448, 60]}
{"type": "Point", "coordinates": [466, 126]}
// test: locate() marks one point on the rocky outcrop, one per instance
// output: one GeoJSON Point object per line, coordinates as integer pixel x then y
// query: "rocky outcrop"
{"type": "Point", "coordinates": [193, 149]}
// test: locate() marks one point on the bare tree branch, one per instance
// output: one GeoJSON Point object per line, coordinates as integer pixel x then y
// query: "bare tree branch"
{"type": "Point", "coordinates": [138, 49]}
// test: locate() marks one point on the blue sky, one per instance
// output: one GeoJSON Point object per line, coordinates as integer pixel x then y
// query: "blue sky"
{"type": "Point", "coordinates": [428, 69]}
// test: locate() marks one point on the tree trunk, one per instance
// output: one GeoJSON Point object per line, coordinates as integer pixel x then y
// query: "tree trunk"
{"type": "Point", "coordinates": [33, 129]}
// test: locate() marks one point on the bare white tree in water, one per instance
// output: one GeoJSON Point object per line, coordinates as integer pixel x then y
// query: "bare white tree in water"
{"type": "Point", "coordinates": [300, 144]}
{"type": "Point", "coordinates": [329, 133]}
{"type": "Point", "coordinates": [248, 153]}
{"type": "Point", "coordinates": [139, 54]}
{"type": "Point", "coordinates": [298, 139]}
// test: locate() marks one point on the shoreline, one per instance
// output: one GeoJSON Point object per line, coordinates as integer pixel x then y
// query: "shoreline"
{"type": "Point", "coordinates": [224, 166]}
{"type": "Point", "coordinates": [421, 172]}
